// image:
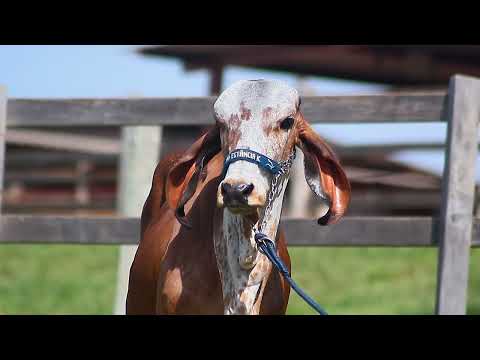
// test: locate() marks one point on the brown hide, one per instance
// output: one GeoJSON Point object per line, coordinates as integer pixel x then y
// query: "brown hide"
{"type": "Point", "coordinates": [175, 270]}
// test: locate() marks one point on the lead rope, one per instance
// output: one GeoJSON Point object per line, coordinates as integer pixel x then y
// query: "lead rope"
{"type": "Point", "coordinates": [267, 246]}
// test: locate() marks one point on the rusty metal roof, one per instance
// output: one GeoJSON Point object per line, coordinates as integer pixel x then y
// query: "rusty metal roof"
{"type": "Point", "coordinates": [396, 65]}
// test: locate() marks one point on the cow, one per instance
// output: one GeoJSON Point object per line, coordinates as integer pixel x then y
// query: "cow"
{"type": "Point", "coordinates": [197, 253]}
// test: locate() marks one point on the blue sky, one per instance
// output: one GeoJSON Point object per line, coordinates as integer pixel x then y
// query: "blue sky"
{"type": "Point", "coordinates": [90, 71]}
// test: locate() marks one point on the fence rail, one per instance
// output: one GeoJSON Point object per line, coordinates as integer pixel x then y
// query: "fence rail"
{"type": "Point", "coordinates": [350, 232]}
{"type": "Point", "coordinates": [455, 231]}
{"type": "Point", "coordinates": [421, 107]}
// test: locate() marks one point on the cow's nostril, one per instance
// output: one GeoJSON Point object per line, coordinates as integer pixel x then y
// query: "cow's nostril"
{"type": "Point", "coordinates": [245, 189]}
{"type": "Point", "coordinates": [235, 195]}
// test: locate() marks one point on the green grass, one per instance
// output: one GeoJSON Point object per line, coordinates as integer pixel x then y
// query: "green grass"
{"type": "Point", "coordinates": [57, 279]}
{"type": "Point", "coordinates": [53, 279]}
{"type": "Point", "coordinates": [373, 281]}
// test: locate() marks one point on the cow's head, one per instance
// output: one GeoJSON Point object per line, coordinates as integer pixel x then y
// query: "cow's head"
{"type": "Point", "coordinates": [263, 116]}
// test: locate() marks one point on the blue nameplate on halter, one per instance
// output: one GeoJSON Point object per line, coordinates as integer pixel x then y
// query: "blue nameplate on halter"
{"type": "Point", "coordinates": [253, 157]}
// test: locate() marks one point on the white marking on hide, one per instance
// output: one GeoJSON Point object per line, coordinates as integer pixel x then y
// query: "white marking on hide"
{"type": "Point", "coordinates": [247, 109]}
{"type": "Point", "coordinates": [239, 285]}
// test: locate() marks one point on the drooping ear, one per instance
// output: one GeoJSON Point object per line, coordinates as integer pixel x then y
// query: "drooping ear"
{"type": "Point", "coordinates": [323, 172]}
{"type": "Point", "coordinates": [182, 179]}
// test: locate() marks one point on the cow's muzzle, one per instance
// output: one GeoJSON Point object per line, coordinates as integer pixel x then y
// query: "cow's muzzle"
{"type": "Point", "coordinates": [239, 197]}
{"type": "Point", "coordinates": [236, 195]}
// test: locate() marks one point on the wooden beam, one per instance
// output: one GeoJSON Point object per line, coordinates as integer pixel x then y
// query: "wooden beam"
{"type": "Point", "coordinates": [385, 149]}
{"type": "Point", "coordinates": [82, 193]}
{"type": "Point", "coordinates": [404, 179]}
{"type": "Point", "coordinates": [3, 124]}
{"type": "Point", "coordinates": [45, 159]}
{"type": "Point", "coordinates": [216, 79]}
{"type": "Point", "coordinates": [458, 196]}
{"type": "Point", "coordinates": [388, 108]}
{"type": "Point", "coordinates": [420, 107]}
{"type": "Point", "coordinates": [52, 177]}
{"type": "Point", "coordinates": [63, 141]}
{"type": "Point", "coordinates": [28, 229]}
{"type": "Point", "coordinates": [373, 201]}
{"type": "Point", "coordinates": [350, 232]}
{"type": "Point", "coordinates": [406, 65]}
{"type": "Point", "coordinates": [59, 207]}
{"type": "Point", "coordinates": [139, 157]}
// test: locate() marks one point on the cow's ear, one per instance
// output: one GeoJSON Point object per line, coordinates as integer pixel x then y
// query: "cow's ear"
{"type": "Point", "coordinates": [182, 179]}
{"type": "Point", "coordinates": [323, 172]}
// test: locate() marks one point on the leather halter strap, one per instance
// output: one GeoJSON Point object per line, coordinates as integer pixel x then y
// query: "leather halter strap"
{"type": "Point", "coordinates": [253, 157]}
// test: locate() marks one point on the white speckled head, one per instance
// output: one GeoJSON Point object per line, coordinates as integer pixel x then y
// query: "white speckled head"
{"type": "Point", "coordinates": [250, 115]}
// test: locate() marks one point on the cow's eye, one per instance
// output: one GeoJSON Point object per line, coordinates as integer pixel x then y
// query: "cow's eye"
{"type": "Point", "coordinates": [287, 123]}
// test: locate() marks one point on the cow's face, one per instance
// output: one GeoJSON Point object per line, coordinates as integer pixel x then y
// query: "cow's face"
{"type": "Point", "coordinates": [257, 115]}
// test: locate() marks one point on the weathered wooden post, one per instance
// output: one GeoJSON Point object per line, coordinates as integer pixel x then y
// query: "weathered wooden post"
{"type": "Point", "coordinates": [3, 129]}
{"type": "Point", "coordinates": [300, 193]}
{"type": "Point", "coordinates": [458, 193]}
{"type": "Point", "coordinates": [82, 193]}
{"type": "Point", "coordinates": [138, 158]}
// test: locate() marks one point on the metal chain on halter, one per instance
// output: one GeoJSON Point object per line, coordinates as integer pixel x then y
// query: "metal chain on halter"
{"type": "Point", "coordinates": [285, 169]}
{"type": "Point", "coordinates": [267, 246]}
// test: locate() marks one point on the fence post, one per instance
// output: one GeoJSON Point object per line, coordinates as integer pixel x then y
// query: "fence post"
{"type": "Point", "coordinates": [458, 192]}
{"type": "Point", "coordinates": [138, 159]}
{"type": "Point", "coordinates": [3, 129]}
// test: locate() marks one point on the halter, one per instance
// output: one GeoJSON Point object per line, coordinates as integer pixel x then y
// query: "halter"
{"type": "Point", "coordinates": [264, 244]}
{"type": "Point", "coordinates": [253, 157]}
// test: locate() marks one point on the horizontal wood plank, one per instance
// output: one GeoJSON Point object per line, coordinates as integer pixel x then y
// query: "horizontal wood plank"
{"type": "Point", "coordinates": [351, 231]}
{"type": "Point", "coordinates": [363, 231]}
{"type": "Point", "coordinates": [89, 144]}
{"type": "Point", "coordinates": [29, 229]}
{"type": "Point", "coordinates": [419, 107]}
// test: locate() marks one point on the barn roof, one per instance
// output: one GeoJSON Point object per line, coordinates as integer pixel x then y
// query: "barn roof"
{"type": "Point", "coordinates": [397, 65]}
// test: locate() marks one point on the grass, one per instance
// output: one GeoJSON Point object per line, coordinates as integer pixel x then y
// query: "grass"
{"type": "Point", "coordinates": [57, 279]}
{"type": "Point", "coordinates": [66, 279]}
{"type": "Point", "coordinates": [373, 281]}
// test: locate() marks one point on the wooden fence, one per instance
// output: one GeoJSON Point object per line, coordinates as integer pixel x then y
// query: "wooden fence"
{"type": "Point", "coordinates": [454, 232]}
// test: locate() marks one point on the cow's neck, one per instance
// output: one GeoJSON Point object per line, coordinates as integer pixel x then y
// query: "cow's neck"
{"type": "Point", "coordinates": [243, 270]}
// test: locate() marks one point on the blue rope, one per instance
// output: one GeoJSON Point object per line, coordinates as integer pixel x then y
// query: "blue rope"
{"type": "Point", "coordinates": [267, 247]}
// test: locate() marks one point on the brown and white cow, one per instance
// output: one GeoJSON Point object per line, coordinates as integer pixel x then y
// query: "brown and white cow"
{"type": "Point", "coordinates": [197, 253]}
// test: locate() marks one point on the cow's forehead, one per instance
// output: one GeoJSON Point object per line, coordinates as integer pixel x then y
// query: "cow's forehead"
{"type": "Point", "coordinates": [256, 96]}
